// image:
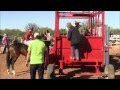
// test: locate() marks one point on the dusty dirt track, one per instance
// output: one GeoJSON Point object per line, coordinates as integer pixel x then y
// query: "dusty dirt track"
{"type": "Point", "coordinates": [22, 72]}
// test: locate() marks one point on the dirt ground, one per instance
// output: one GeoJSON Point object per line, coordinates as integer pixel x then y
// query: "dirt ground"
{"type": "Point", "coordinates": [22, 72]}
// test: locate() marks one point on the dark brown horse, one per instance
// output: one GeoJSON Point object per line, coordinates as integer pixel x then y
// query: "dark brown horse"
{"type": "Point", "coordinates": [13, 53]}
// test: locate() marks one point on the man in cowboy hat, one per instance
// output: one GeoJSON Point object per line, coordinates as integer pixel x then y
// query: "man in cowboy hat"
{"type": "Point", "coordinates": [77, 22]}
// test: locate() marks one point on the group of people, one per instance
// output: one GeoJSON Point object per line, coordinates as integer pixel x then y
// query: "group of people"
{"type": "Point", "coordinates": [37, 50]}
{"type": "Point", "coordinates": [75, 35]}
{"type": "Point", "coordinates": [29, 36]}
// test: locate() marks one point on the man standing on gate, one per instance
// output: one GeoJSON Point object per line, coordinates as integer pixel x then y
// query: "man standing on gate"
{"type": "Point", "coordinates": [74, 37]}
{"type": "Point", "coordinates": [36, 52]}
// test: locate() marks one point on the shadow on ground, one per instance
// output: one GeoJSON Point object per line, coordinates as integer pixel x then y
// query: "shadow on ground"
{"type": "Point", "coordinates": [22, 72]}
{"type": "Point", "coordinates": [77, 74]}
{"type": "Point", "coordinates": [115, 61]}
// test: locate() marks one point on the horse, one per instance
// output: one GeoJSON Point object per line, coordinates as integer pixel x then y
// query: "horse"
{"type": "Point", "coordinates": [14, 52]}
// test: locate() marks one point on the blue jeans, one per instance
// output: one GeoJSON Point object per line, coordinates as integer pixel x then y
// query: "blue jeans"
{"type": "Point", "coordinates": [34, 68]}
{"type": "Point", "coordinates": [75, 48]}
{"type": "Point", "coordinates": [5, 49]}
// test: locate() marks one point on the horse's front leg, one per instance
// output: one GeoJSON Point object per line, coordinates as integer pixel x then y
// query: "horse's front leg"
{"type": "Point", "coordinates": [12, 64]}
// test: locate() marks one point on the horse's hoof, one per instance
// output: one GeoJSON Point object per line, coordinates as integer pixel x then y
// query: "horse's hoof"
{"type": "Point", "coordinates": [8, 72]}
{"type": "Point", "coordinates": [13, 72]}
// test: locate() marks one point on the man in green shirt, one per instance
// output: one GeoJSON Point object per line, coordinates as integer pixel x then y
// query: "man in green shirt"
{"type": "Point", "coordinates": [36, 52]}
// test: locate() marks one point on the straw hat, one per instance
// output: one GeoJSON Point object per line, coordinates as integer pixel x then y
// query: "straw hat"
{"type": "Point", "coordinates": [5, 35]}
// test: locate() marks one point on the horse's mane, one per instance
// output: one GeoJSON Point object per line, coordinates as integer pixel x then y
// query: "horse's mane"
{"type": "Point", "coordinates": [18, 44]}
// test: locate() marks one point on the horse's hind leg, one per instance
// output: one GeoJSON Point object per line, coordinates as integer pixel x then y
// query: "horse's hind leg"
{"type": "Point", "coordinates": [8, 67]}
{"type": "Point", "coordinates": [12, 64]}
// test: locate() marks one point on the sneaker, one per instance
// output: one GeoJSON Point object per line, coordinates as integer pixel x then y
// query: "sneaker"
{"type": "Point", "coordinates": [77, 58]}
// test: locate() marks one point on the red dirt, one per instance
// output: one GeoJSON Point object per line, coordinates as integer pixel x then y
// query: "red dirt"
{"type": "Point", "coordinates": [22, 72]}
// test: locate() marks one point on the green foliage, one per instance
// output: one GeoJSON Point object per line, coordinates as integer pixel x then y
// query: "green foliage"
{"type": "Point", "coordinates": [83, 27]}
{"type": "Point", "coordinates": [38, 29]}
{"type": "Point", "coordinates": [18, 33]}
{"type": "Point", "coordinates": [44, 29]}
{"type": "Point", "coordinates": [63, 31]}
{"type": "Point", "coordinates": [12, 32]}
{"type": "Point", "coordinates": [115, 31]}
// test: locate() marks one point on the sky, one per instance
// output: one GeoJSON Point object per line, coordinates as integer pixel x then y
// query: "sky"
{"type": "Point", "coordinates": [19, 19]}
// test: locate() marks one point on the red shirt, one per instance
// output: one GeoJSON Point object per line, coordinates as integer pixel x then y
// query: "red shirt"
{"type": "Point", "coordinates": [5, 40]}
{"type": "Point", "coordinates": [27, 36]}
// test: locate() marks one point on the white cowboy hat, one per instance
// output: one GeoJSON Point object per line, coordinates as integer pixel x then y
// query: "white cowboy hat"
{"type": "Point", "coordinates": [77, 21]}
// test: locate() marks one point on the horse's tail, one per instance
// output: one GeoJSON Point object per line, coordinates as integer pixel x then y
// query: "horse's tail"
{"type": "Point", "coordinates": [8, 58]}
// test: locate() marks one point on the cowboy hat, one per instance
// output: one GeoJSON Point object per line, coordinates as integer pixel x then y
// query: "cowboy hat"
{"type": "Point", "coordinates": [77, 21]}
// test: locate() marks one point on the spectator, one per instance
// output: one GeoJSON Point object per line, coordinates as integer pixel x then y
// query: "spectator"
{"type": "Point", "coordinates": [5, 42]}
{"type": "Point", "coordinates": [49, 39]}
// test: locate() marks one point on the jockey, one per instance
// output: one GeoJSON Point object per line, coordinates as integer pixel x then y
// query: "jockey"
{"type": "Point", "coordinates": [29, 36]}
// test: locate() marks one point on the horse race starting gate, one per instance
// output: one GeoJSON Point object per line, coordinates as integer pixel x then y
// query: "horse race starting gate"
{"type": "Point", "coordinates": [93, 48]}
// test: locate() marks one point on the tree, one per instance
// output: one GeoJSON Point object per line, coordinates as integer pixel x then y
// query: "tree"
{"type": "Point", "coordinates": [12, 32]}
{"type": "Point", "coordinates": [115, 31]}
{"type": "Point", "coordinates": [35, 26]}
{"type": "Point", "coordinates": [63, 31]}
{"type": "Point", "coordinates": [83, 28]}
